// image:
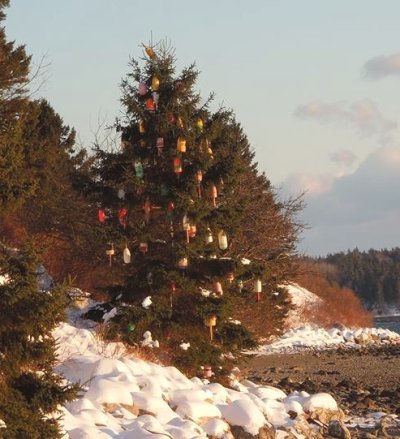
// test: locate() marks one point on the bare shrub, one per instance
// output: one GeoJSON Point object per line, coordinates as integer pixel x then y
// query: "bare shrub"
{"type": "Point", "coordinates": [340, 305]}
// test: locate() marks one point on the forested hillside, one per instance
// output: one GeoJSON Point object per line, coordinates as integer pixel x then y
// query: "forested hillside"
{"type": "Point", "coordinates": [374, 275]}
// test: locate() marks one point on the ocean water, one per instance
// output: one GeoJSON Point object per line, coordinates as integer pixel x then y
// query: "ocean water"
{"type": "Point", "coordinates": [388, 322]}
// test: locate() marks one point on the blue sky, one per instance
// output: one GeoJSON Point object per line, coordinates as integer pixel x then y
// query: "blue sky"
{"type": "Point", "coordinates": [314, 84]}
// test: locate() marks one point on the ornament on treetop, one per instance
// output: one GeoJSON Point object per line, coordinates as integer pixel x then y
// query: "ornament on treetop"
{"type": "Point", "coordinates": [149, 51]}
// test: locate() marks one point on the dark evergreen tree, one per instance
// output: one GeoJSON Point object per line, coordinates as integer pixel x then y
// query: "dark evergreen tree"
{"type": "Point", "coordinates": [171, 206]}
{"type": "Point", "coordinates": [29, 390]}
{"type": "Point", "coordinates": [14, 71]}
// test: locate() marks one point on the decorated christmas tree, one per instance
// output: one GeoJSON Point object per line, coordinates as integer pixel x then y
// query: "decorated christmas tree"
{"type": "Point", "coordinates": [170, 207]}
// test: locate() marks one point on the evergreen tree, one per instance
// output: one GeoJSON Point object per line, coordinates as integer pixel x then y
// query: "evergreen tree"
{"type": "Point", "coordinates": [29, 389]}
{"type": "Point", "coordinates": [170, 205]}
{"type": "Point", "coordinates": [14, 70]}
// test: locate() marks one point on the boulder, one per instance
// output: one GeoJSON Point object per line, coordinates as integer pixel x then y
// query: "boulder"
{"type": "Point", "coordinates": [265, 432]}
{"type": "Point", "coordinates": [338, 430]}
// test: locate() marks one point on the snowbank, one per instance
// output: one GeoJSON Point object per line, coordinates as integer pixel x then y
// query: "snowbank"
{"type": "Point", "coordinates": [303, 300]}
{"type": "Point", "coordinates": [128, 398]}
{"type": "Point", "coordinates": [312, 337]}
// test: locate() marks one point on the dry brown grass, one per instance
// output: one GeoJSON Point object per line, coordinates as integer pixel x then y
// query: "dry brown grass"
{"type": "Point", "coordinates": [340, 305]}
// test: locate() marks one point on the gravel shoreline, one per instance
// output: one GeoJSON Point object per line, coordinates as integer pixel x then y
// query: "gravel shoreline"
{"type": "Point", "coordinates": [362, 381]}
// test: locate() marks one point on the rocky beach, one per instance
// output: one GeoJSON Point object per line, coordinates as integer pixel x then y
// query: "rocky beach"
{"type": "Point", "coordinates": [365, 381]}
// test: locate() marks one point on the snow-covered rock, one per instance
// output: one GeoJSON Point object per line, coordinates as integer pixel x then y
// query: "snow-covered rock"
{"type": "Point", "coordinates": [126, 397]}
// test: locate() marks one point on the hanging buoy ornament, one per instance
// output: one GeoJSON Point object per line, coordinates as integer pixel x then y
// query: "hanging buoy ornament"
{"type": "Point", "coordinates": [139, 169]}
{"type": "Point", "coordinates": [142, 89]}
{"type": "Point", "coordinates": [142, 128]}
{"type": "Point", "coordinates": [258, 289]}
{"type": "Point", "coordinates": [143, 248]}
{"type": "Point", "coordinates": [170, 211]}
{"type": "Point", "coordinates": [150, 105]}
{"type": "Point", "coordinates": [110, 252]}
{"type": "Point", "coordinates": [126, 255]}
{"type": "Point", "coordinates": [160, 145]}
{"type": "Point", "coordinates": [214, 195]}
{"type": "Point", "coordinates": [171, 118]}
{"type": "Point", "coordinates": [164, 191]}
{"type": "Point", "coordinates": [147, 210]}
{"type": "Point", "coordinates": [217, 288]}
{"type": "Point", "coordinates": [185, 222]}
{"type": "Point", "coordinates": [209, 236]}
{"type": "Point", "coordinates": [199, 179]}
{"type": "Point", "coordinates": [155, 83]}
{"type": "Point", "coordinates": [101, 216]}
{"type": "Point", "coordinates": [207, 372]}
{"type": "Point", "coordinates": [211, 322]}
{"type": "Point", "coordinates": [172, 290]}
{"type": "Point", "coordinates": [199, 125]}
{"type": "Point", "coordinates": [177, 165]}
{"type": "Point", "coordinates": [179, 123]}
{"type": "Point", "coordinates": [183, 263]}
{"type": "Point", "coordinates": [156, 99]}
{"type": "Point", "coordinates": [121, 194]}
{"type": "Point", "coordinates": [181, 144]}
{"type": "Point", "coordinates": [222, 240]}
{"type": "Point", "coordinates": [240, 285]}
{"type": "Point", "coordinates": [192, 231]}
{"type": "Point", "coordinates": [230, 276]}
{"type": "Point", "coordinates": [123, 217]}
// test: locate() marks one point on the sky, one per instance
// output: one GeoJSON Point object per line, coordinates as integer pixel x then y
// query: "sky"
{"type": "Point", "coordinates": [314, 84]}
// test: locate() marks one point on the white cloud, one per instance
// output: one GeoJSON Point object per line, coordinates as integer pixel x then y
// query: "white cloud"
{"type": "Point", "coordinates": [311, 184]}
{"type": "Point", "coordinates": [343, 157]}
{"type": "Point", "coordinates": [361, 209]}
{"type": "Point", "coordinates": [363, 116]}
{"type": "Point", "coordinates": [382, 66]}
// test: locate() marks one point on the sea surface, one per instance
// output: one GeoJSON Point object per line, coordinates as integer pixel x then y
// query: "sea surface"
{"type": "Point", "coordinates": [388, 322]}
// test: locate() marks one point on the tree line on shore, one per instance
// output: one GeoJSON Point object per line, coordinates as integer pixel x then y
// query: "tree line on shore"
{"type": "Point", "coordinates": [374, 275]}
